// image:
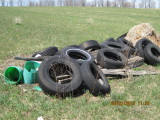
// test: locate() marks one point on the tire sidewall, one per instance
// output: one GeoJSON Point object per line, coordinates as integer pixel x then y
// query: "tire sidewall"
{"type": "Point", "coordinates": [93, 84]}
{"type": "Point", "coordinates": [66, 52]}
{"type": "Point", "coordinates": [47, 83]}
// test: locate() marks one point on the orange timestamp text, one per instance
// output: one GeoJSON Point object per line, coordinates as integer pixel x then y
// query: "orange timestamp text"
{"type": "Point", "coordinates": [130, 103]}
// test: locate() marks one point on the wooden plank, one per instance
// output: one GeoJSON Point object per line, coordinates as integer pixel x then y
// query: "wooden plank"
{"type": "Point", "coordinates": [134, 59]}
{"type": "Point", "coordinates": [127, 72]}
{"type": "Point", "coordinates": [64, 80]}
{"type": "Point", "coordinates": [62, 76]}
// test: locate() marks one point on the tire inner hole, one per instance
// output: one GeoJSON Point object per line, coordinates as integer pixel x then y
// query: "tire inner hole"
{"type": "Point", "coordinates": [60, 73]}
{"type": "Point", "coordinates": [155, 52]}
{"type": "Point", "coordinates": [113, 56]}
{"type": "Point", "coordinates": [77, 56]}
{"type": "Point", "coordinates": [96, 75]}
{"type": "Point", "coordinates": [127, 43]}
{"type": "Point", "coordinates": [114, 46]}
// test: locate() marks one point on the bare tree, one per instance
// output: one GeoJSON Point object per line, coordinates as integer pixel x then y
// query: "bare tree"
{"type": "Point", "coordinates": [68, 2]}
{"type": "Point", "coordinates": [115, 3]}
{"type": "Point", "coordinates": [10, 2]}
{"type": "Point", "coordinates": [92, 4]}
{"type": "Point", "coordinates": [127, 4]}
{"type": "Point", "coordinates": [134, 3]}
{"type": "Point", "coordinates": [158, 3]}
{"type": "Point", "coordinates": [121, 3]}
{"type": "Point", "coordinates": [51, 3]}
{"type": "Point", "coordinates": [149, 3]}
{"type": "Point", "coordinates": [32, 3]}
{"type": "Point", "coordinates": [101, 3]}
{"type": "Point", "coordinates": [98, 3]}
{"type": "Point", "coordinates": [83, 3]}
{"type": "Point", "coordinates": [141, 4]}
{"type": "Point", "coordinates": [60, 2]}
{"type": "Point", "coordinates": [20, 2]}
{"type": "Point", "coordinates": [45, 3]}
{"type": "Point", "coordinates": [145, 3]}
{"type": "Point", "coordinates": [107, 3]}
{"type": "Point", "coordinates": [153, 4]}
{"type": "Point", "coordinates": [37, 3]}
{"type": "Point", "coordinates": [95, 3]}
{"type": "Point", "coordinates": [76, 2]}
{"type": "Point", "coordinates": [3, 2]}
{"type": "Point", "coordinates": [89, 4]}
{"type": "Point", "coordinates": [41, 3]}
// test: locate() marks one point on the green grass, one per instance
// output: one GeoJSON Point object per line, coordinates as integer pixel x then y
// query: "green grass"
{"type": "Point", "coordinates": [41, 27]}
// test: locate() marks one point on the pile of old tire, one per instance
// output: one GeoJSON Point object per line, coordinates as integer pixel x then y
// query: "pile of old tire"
{"type": "Point", "coordinates": [110, 54]}
{"type": "Point", "coordinates": [143, 48]}
{"type": "Point", "coordinates": [149, 51]}
{"type": "Point", "coordinates": [77, 66]}
{"type": "Point", "coordinates": [67, 71]}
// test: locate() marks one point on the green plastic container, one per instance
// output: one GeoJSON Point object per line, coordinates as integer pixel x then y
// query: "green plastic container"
{"type": "Point", "coordinates": [37, 88]}
{"type": "Point", "coordinates": [30, 72]}
{"type": "Point", "coordinates": [13, 75]}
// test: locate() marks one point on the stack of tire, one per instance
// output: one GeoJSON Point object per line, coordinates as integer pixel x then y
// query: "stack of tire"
{"type": "Point", "coordinates": [69, 70]}
{"type": "Point", "coordinates": [114, 54]}
{"type": "Point", "coordinates": [149, 51]}
{"type": "Point", "coordinates": [77, 66]}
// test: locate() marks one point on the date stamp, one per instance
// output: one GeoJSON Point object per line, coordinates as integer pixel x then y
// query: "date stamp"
{"type": "Point", "coordinates": [129, 103]}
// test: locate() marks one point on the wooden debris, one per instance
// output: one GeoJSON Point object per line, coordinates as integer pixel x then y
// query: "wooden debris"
{"type": "Point", "coordinates": [127, 72]}
{"type": "Point", "coordinates": [132, 63]}
{"type": "Point", "coordinates": [135, 62]}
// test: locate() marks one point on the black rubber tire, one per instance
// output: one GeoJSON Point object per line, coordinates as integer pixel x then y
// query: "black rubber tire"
{"type": "Point", "coordinates": [68, 47]}
{"type": "Point", "coordinates": [77, 54]}
{"type": "Point", "coordinates": [140, 45]}
{"type": "Point", "coordinates": [133, 52]}
{"type": "Point", "coordinates": [152, 54]}
{"type": "Point", "coordinates": [94, 53]}
{"type": "Point", "coordinates": [90, 44]}
{"type": "Point", "coordinates": [94, 79]}
{"type": "Point", "coordinates": [126, 42]}
{"type": "Point", "coordinates": [111, 59]}
{"type": "Point", "coordinates": [123, 35]}
{"type": "Point", "coordinates": [64, 49]}
{"type": "Point", "coordinates": [74, 46]}
{"type": "Point", "coordinates": [113, 45]}
{"type": "Point", "coordinates": [48, 83]}
{"type": "Point", "coordinates": [110, 40]}
{"type": "Point", "coordinates": [121, 47]}
{"type": "Point", "coordinates": [50, 51]}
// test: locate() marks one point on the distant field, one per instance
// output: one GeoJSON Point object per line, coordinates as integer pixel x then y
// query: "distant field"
{"type": "Point", "coordinates": [25, 30]}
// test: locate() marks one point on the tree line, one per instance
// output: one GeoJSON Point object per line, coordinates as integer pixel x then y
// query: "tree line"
{"type": "Point", "coordinates": [85, 3]}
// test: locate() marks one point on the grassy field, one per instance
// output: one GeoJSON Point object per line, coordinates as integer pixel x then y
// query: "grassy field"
{"type": "Point", "coordinates": [25, 30]}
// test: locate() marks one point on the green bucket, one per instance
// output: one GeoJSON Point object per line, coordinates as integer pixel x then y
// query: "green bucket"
{"type": "Point", "coordinates": [30, 72]}
{"type": "Point", "coordinates": [13, 75]}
